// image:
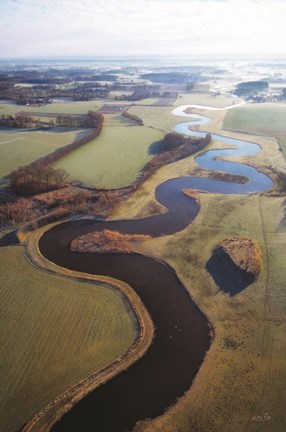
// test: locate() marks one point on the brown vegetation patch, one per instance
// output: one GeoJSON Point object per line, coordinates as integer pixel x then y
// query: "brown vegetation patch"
{"type": "Point", "coordinates": [235, 178]}
{"type": "Point", "coordinates": [107, 242]}
{"type": "Point", "coordinates": [53, 216]}
{"type": "Point", "coordinates": [219, 175]}
{"type": "Point", "coordinates": [108, 200]}
{"type": "Point", "coordinates": [245, 253]}
{"type": "Point", "coordinates": [18, 212]}
{"type": "Point", "coordinates": [45, 208]}
{"type": "Point", "coordinates": [192, 194]}
{"type": "Point", "coordinates": [133, 117]}
{"type": "Point", "coordinates": [70, 197]}
{"type": "Point", "coordinates": [30, 180]}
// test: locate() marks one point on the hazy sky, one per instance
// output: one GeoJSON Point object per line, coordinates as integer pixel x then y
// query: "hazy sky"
{"type": "Point", "coordinates": [39, 28]}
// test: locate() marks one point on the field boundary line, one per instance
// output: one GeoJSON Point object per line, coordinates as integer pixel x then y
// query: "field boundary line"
{"type": "Point", "coordinates": [145, 334]}
{"type": "Point", "coordinates": [12, 140]}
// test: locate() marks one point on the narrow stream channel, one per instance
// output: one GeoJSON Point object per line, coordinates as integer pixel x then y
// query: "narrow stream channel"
{"type": "Point", "coordinates": [182, 339]}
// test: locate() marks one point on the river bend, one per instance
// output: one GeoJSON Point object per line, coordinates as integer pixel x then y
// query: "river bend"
{"type": "Point", "coordinates": [182, 338]}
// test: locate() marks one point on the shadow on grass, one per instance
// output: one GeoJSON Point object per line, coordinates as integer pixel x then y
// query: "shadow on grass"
{"type": "Point", "coordinates": [155, 148]}
{"type": "Point", "coordinates": [9, 239]}
{"type": "Point", "coordinates": [227, 276]}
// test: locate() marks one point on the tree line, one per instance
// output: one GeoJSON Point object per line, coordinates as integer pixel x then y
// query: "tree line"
{"type": "Point", "coordinates": [63, 151]}
{"type": "Point", "coordinates": [31, 180]}
{"type": "Point", "coordinates": [175, 147]}
{"type": "Point", "coordinates": [40, 176]}
{"type": "Point", "coordinates": [22, 120]}
{"type": "Point", "coordinates": [133, 117]}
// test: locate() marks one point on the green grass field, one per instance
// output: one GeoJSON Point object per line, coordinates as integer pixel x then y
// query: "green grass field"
{"type": "Point", "coordinates": [205, 99]}
{"type": "Point", "coordinates": [57, 107]}
{"type": "Point", "coordinates": [259, 119]}
{"type": "Point", "coordinates": [116, 157]}
{"type": "Point", "coordinates": [21, 146]}
{"type": "Point", "coordinates": [54, 332]}
{"type": "Point", "coordinates": [146, 101]}
{"type": "Point", "coordinates": [156, 117]}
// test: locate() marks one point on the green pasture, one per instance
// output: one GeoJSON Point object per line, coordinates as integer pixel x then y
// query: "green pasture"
{"type": "Point", "coordinates": [116, 157]}
{"type": "Point", "coordinates": [157, 117]}
{"type": "Point", "coordinates": [54, 332]}
{"type": "Point", "coordinates": [22, 146]}
{"type": "Point", "coordinates": [219, 101]}
{"type": "Point", "coordinates": [259, 119]}
{"type": "Point", "coordinates": [146, 101]}
{"type": "Point", "coordinates": [57, 107]}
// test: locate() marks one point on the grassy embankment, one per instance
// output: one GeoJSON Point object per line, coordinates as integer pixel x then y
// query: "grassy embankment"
{"type": "Point", "coordinates": [242, 378]}
{"type": "Point", "coordinates": [116, 157]}
{"type": "Point", "coordinates": [55, 332]}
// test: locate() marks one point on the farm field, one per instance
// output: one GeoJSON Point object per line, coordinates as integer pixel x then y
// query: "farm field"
{"type": "Point", "coordinates": [55, 332]}
{"type": "Point", "coordinates": [21, 146]}
{"type": "Point", "coordinates": [146, 101]}
{"type": "Point", "coordinates": [261, 119]}
{"type": "Point", "coordinates": [156, 117]}
{"type": "Point", "coordinates": [116, 157]}
{"type": "Point", "coordinates": [206, 98]}
{"type": "Point", "coordinates": [57, 107]}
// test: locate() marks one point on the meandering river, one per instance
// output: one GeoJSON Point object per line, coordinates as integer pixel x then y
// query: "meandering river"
{"type": "Point", "coordinates": [182, 338]}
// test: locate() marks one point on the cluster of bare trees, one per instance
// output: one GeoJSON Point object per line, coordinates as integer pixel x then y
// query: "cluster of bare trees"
{"type": "Point", "coordinates": [31, 180]}
{"type": "Point", "coordinates": [174, 140]}
{"type": "Point", "coordinates": [83, 121]}
{"type": "Point", "coordinates": [15, 213]}
{"type": "Point", "coordinates": [20, 121]}
{"type": "Point", "coordinates": [178, 147]}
